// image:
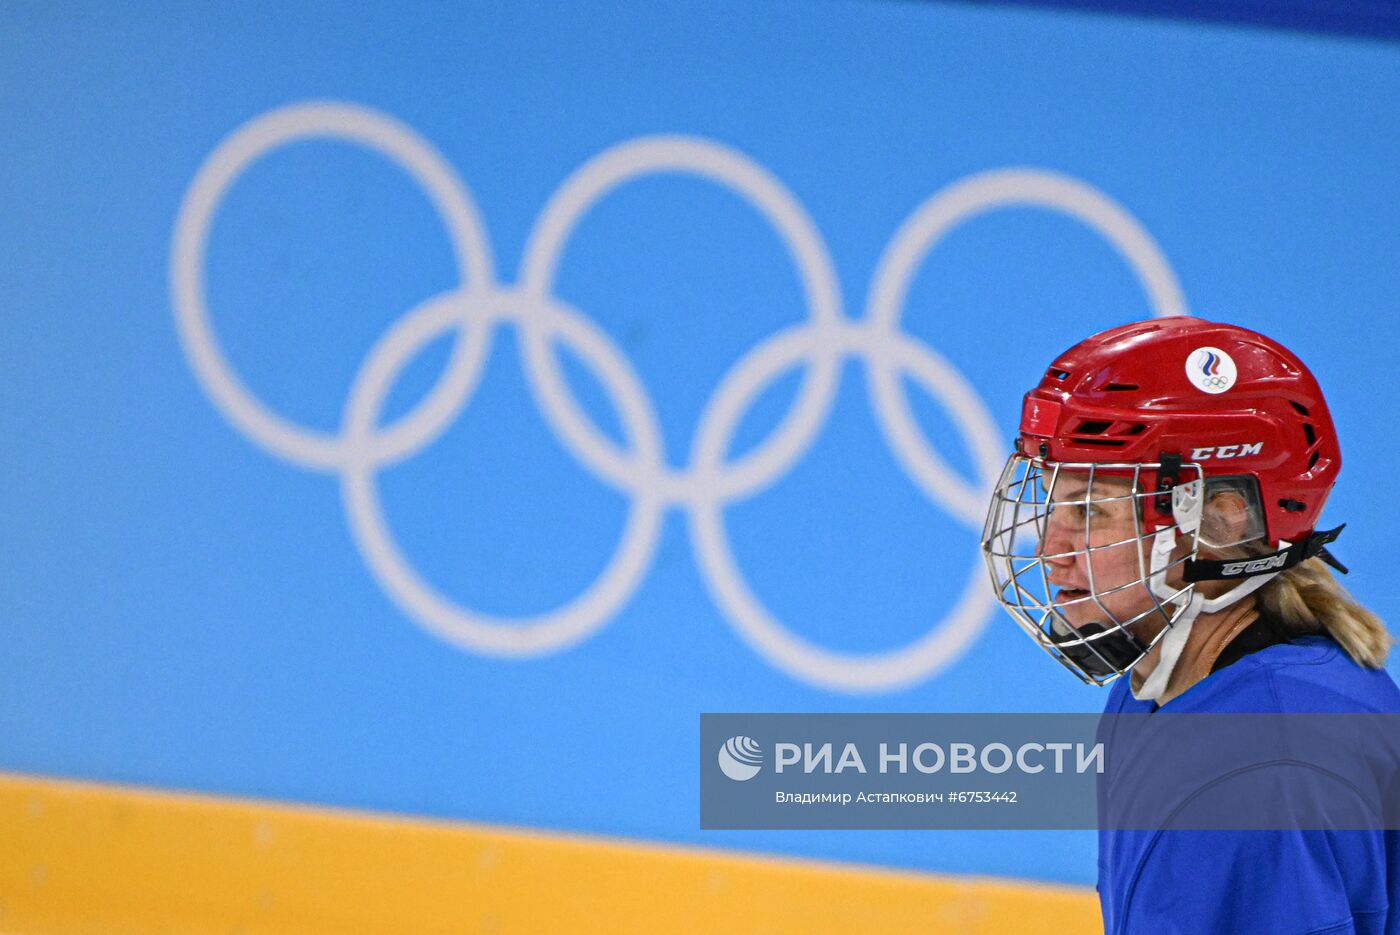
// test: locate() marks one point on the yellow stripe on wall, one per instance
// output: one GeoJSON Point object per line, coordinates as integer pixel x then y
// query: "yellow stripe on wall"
{"type": "Point", "coordinates": [85, 858]}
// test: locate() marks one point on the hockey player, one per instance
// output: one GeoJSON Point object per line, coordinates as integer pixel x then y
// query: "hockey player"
{"type": "Point", "coordinates": [1159, 521]}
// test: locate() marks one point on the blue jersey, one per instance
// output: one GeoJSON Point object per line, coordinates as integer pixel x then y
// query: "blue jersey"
{"type": "Point", "coordinates": [1275, 882]}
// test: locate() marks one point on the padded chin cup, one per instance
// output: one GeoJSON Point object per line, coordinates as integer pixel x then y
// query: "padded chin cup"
{"type": "Point", "coordinates": [1110, 654]}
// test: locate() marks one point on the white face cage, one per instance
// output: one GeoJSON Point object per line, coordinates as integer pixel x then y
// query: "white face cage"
{"type": "Point", "coordinates": [1015, 533]}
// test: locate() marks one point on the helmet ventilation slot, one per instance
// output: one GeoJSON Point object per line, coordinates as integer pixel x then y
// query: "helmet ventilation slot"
{"type": "Point", "coordinates": [1093, 432]}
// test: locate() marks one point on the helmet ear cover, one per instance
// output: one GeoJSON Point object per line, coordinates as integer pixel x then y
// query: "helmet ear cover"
{"type": "Point", "coordinates": [1215, 532]}
{"type": "Point", "coordinates": [1233, 512]}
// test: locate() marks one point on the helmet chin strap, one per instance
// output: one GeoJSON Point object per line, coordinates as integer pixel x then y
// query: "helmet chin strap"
{"type": "Point", "coordinates": [1179, 629]}
{"type": "Point", "coordinates": [1168, 652]}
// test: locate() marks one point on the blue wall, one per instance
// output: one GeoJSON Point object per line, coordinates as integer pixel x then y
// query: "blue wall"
{"type": "Point", "coordinates": [193, 590]}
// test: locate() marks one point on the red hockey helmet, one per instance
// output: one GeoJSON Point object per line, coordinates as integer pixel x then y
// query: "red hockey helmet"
{"type": "Point", "coordinates": [1178, 407]}
{"type": "Point", "coordinates": [1217, 395]}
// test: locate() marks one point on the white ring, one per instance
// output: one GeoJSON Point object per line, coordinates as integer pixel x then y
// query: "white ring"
{"type": "Point", "coordinates": [745, 178]}
{"type": "Point", "coordinates": [909, 248]}
{"type": "Point", "coordinates": [547, 632]}
{"type": "Point", "coordinates": [760, 629]}
{"type": "Point", "coordinates": [250, 142]}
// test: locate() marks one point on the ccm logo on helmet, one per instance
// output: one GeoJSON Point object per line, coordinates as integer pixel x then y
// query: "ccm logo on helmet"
{"type": "Point", "coordinates": [1255, 566]}
{"type": "Point", "coordinates": [1226, 451]}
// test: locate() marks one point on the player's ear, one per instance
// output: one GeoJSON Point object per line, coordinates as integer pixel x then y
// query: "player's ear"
{"type": "Point", "coordinates": [1226, 517]}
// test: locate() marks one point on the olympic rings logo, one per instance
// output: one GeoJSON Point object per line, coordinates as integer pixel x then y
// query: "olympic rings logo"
{"type": "Point", "coordinates": [1216, 383]}
{"type": "Point", "coordinates": [474, 310]}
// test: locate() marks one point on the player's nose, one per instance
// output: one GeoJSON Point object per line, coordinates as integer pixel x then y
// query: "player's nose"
{"type": "Point", "coordinates": [1056, 542]}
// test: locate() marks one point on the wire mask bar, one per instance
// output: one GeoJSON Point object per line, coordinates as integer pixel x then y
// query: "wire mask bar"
{"type": "Point", "coordinates": [1013, 545]}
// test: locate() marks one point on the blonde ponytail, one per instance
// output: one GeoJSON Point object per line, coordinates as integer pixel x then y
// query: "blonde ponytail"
{"type": "Point", "coordinates": [1308, 599]}
{"type": "Point", "coordinates": [1304, 599]}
